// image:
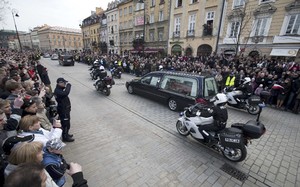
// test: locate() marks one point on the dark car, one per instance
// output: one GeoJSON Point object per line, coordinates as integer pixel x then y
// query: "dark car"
{"type": "Point", "coordinates": [176, 89]}
{"type": "Point", "coordinates": [66, 60]}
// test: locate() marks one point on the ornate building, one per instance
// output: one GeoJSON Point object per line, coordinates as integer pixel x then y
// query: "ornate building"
{"type": "Point", "coordinates": [125, 8]}
{"type": "Point", "coordinates": [112, 18]}
{"type": "Point", "coordinates": [59, 38]}
{"type": "Point", "coordinates": [90, 28]}
{"type": "Point", "coordinates": [194, 27]}
{"type": "Point", "coordinates": [263, 27]}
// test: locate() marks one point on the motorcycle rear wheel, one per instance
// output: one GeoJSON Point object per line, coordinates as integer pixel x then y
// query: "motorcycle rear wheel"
{"type": "Point", "coordinates": [235, 154]}
{"type": "Point", "coordinates": [254, 110]}
{"type": "Point", "coordinates": [182, 130]}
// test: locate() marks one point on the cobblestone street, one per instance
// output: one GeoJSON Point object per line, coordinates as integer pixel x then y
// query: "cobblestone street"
{"type": "Point", "coordinates": [128, 140]}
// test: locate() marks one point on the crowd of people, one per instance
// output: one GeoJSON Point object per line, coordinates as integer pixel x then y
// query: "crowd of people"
{"type": "Point", "coordinates": [34, 124]}
{"type": "Point", "coordinates": [276, 81]}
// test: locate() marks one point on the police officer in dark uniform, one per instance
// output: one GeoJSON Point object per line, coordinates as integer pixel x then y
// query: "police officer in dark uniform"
{"type": "Point", "coordinates": [61, 94]}
{"type": "Point", "coordinates": [220, 116]}
{"type": "Point", "coordinates": [246, 88]}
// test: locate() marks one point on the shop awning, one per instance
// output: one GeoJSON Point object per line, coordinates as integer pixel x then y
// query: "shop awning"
{"type": "Point", "coordinates": [284, 52]}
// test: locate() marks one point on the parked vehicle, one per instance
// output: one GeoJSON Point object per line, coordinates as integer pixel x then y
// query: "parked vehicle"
{"type": "Point", "coordinates": [54, 56]}
{"type": "Point", "coordinates": [104, 85]}
{"type": "Point", "coordinates": [251, 104]}
{"type": "Point", "coordinates": [176, 89]}
{"type": "Point", "coordinates": [231, 142]}
{"type": "Point", "coordinates": [66, 60]}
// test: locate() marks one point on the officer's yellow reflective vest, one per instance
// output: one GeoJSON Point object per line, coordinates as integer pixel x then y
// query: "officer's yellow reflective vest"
{"type": "Point", "coordinates": [230, 81]}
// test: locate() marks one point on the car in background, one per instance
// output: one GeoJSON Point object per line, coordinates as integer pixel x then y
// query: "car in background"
{"type": "Point", "coordinates": [46, 55]}
{"type": "Point", "coordinates": [54, 56]}
{"type": "Point", "coordinates": [66, 60]}
{"type": "Point", "coordinates": [176, 89]}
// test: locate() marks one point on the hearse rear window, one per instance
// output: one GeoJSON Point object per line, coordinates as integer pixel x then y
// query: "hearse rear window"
{"type": "Point", "coordinates": [181, 85]}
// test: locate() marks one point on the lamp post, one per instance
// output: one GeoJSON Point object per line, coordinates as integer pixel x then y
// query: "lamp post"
{"type": "Point", "coordinates": [13, 12]}
{"type": "Point", "coordinates": [144, 26]}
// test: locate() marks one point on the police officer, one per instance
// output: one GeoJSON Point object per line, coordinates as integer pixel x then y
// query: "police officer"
{"type": "Point", "coordinates": [220, 116]}
{"type": "Point", "coordinates": [246, 88]}
{"type": "Point", "coordinates": [61, 94]}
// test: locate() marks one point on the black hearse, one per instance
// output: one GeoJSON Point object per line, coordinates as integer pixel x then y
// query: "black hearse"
{"type": "Point", "coordinates": [176, 89]}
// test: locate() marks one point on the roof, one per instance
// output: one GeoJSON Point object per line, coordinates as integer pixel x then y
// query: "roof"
{"type": "Point", "coordinates": [181, 73]}
{"type": "Point", "coordinates": [57, 28]}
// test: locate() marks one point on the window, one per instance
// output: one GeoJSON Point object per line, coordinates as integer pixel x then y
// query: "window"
{"type": "Point", "coordinates": [210, 15]}
{"type": "Point", "coordinates": [192, 22]}
{"type": "Point", "coordinates": [194, 1]}
{"type": "Point", "coordinates": [151, 36]}
{"type": "Point", "coordinates": [234, 29]}
{"type": "Point", "coordinates": [161, 16]}
{"type": "Point", "coordinates": [260, 27]}
{"type": "Point", "coordinates": [161, 2]}
{"type": "Point", "coordinates": [130, 9]}
{"type": "Point", "coordinates": [178, 3]}
{"type": "Point", "coordinates": [293, 26]}
{"type": "Point", "coordinates": [152, 3]}
{"type": "Point", "coordinates": [210, 87]}
{"type": "Point", "coordinates": [181, 85]}
{"type": "Point", "coordinates": [177, 25]}
{"type": "Point", "coordinates": [125, 11]}
{"type": "Point", "coordinates": [151, 18]}
{"type": "Point", "coordinates": [160, 35]}
{"type": "Point", "coordinates": [238, 3]}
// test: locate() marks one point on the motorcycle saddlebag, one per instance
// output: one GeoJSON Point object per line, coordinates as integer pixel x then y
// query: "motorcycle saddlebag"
{"type": "Point", "coordinates": [254, 129]}
{"type": "Point", "coordinates": [254, 100]}
{"type": "Point", "coordinates": [231, 137]}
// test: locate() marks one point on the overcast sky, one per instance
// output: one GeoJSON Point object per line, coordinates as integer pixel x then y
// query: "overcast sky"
{"type": "Point", "coordinates": [64, 13]}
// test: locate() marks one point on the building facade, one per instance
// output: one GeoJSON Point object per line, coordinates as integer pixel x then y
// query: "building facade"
{"type": "Point", "coordinates": [90, 28]}
{"type": "Point", "coordinates": [263, 27]}
{"type": "Point", "coordinates": [125, 8]}
{"type": "Point", "coordinates": [59, 38]}
{"type": "Point", "coordinates": [112, 17]}
{"type": "Point", "coordinates": [151, 23]}
{"type": "Point", "coordinates": [194, 27]}
{"type": "Point", "coordinates": [7, 38]}
{"type": "Point", "coordinates": [103, 35]}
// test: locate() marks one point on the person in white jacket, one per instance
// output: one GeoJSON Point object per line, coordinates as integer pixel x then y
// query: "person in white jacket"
{"type": "Point", "coordinates": [30, 124]}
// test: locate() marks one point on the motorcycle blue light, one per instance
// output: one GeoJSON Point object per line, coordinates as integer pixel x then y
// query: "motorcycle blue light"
{"type": "Point", "coordinates": [181, 114]}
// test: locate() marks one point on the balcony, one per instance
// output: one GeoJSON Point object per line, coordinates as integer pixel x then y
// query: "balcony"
{"type": "Point", "coordinates": [176, 34]}
{"type": "Point", "coordinates": [190, 33]}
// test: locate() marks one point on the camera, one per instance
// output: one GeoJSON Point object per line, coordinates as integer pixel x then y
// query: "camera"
{"type": "Point", "coordinates": [52, 111]}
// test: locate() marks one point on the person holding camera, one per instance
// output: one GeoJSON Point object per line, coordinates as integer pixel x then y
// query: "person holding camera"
{"type": "Point", "coordinates": [54, 161]}
{"type": "Point", "coordinates": [61, 94]}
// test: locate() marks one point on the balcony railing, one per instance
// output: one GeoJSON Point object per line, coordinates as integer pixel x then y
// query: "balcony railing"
{"type": "Point", "coordinates": [190, 33]}
{"type": "Point", "coordinates": [176, 34]}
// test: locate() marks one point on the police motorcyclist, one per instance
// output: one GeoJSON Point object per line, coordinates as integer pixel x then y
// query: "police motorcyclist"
{"type": "Point", "coordinates": [246, 88]}
{"type": "Point", "coordinates": [220, 116]}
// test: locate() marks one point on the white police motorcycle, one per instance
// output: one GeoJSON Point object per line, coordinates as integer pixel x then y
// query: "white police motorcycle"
{"type": "Point", "coordinates": [231, 142]}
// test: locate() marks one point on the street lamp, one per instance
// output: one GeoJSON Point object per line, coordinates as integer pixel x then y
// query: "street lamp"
{"type": "Point", "coordinates": [13, 12]}
{"type": "Point", "coordinates": [144, 28]}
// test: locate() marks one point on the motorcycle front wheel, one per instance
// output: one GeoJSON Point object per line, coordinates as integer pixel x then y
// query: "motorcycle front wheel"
{"type": "Point", "coordinates": [254, 110]}
{"type": "Point", "coordinates": [181, 128]}
{"type": "Point", "coordinates": [106, 91]}
{"type": "Point", "coordinates": [235, 154]}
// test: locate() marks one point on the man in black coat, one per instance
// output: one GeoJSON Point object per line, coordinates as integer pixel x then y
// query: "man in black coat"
{"type": "Point", "coordinates": [61, 94]}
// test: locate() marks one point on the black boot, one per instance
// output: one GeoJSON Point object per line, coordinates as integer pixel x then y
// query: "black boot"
{"type": "Point", "coordinates": [70, 135]}
{"type": "Point", "coordinates": [65, 136]}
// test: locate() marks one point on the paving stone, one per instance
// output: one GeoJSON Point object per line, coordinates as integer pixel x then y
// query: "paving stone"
{"type": "Point", "coordinates": [142, 141]}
